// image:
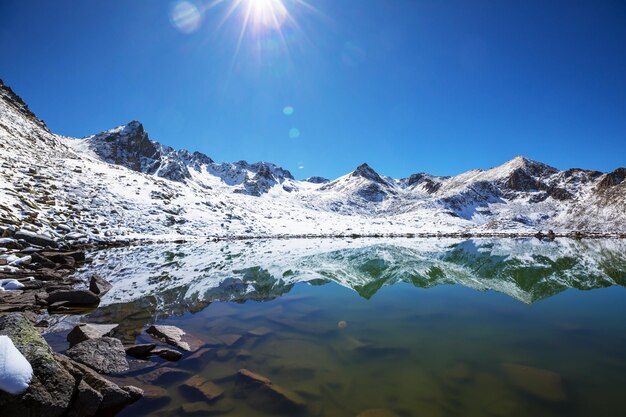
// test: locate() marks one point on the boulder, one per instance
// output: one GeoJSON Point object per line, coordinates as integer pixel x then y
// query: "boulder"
{"type": "Point", "coordinates": [261, 393]}
{"type": "Point", "coordinates": [87, 331]}
{"type": "Point", "coordinates": [106, 355]}
{"type": "Point", "coordinates": [51, 388]}
{"type": "Point", "coordinates": [35, 239]}
{"type": "Point", "coordinates": [201, 388]}
{"type": "Point", "coordinates": [99, 285]}
{"type": "Point", "coordinates": [74, 298]}
{"type": "Point", "coordinates": [174, 336]}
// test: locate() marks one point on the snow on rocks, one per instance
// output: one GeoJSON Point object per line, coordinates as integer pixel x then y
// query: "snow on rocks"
{"type": "Point", "coordinates": [15, 371]}
{"type": "Point", "coordinates": [10, 284]}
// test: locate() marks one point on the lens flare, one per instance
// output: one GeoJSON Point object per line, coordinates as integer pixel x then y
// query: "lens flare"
{"type": "Point", "coordinates": [294, 133]}
{"type": "Point", "coordinates": [186, 17]}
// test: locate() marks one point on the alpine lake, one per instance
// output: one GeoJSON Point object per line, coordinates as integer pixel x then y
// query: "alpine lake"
{"type": "Point", "coordinates": [373, 327]}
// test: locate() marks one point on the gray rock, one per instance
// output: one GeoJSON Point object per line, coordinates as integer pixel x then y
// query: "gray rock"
{"type": "Point", "coordinates": [86, 401]}
{"type": "Point", "coordinates": [51, 388]}
{"type": "Point", "coordinates": [174, 336]}
{"type": "Point", "coordinates": [99, 285]}
{"type": "Point", "coordinates": [35, 239]}
{"type": "Point", "coordinates": [106, 355]}
{"type": "Point", "coordinates": [114, 398]}
{"type": "Point", "coordinates": [87, 331]}
{"type": "Point", "coordinates": [74, 297]}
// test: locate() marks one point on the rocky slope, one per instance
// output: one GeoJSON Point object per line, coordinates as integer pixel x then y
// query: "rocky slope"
{"type": "Point", "coordinates": [121, 184]}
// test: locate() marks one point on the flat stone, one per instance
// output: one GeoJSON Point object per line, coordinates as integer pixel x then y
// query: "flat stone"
{"type": "Point", "coordinates": [35, 239]}
{"type": "Point", "coordinates": [74, 297]}
{"type": "Point", "coordinates": [106, 355]}
{"type": "Point", "coordinates": [87, 331]}
{"type": "Point", "coordinates": [200, 387]}
{"type": "Point", "coordinates": [140, 351]}
{"type": "Point", "coordinates": [174, 336]}
{"type": "Point", "coordinates": [540, 383]}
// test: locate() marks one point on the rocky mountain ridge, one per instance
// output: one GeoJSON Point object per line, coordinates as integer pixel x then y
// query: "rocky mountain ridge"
{"type": "Point", "coordinates": [120, 184]}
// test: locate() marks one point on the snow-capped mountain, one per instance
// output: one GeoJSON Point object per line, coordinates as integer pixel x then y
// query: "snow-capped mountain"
{"type": "Point", "coordinates": [121, 183]}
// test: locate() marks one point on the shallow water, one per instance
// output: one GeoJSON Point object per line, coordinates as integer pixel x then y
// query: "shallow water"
{"type": "Point", "coordinates": [414, 327]}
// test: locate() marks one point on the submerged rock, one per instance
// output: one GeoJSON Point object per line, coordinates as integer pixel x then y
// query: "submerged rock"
{"type": "Point", "coordinates": [106, 355]}
{"type": "Point", "coordinates": [540, 383]}
{"type": "Point", "coordinates": [261, 393]}
{"type": "Point", "coordinates": [200, 387]}
{"type": "Point", "coordinates": [87, 331]}
{"type": "Point", "coordinates": [202, 408]}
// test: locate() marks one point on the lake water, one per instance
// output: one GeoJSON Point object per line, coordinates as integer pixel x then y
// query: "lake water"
{"type": "Point", "coordinates": [404, 327]}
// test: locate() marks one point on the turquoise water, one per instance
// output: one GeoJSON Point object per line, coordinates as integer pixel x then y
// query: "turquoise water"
{"type": "Point", "coordinates": [408, 328]}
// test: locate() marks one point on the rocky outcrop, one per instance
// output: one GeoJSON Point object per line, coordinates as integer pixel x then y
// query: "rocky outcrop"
{"type": "Point", "coordinates": [52, 386]}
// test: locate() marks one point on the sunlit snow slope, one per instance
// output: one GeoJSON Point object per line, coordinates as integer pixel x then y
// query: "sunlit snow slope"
{"type": "Point", "coordinates": [121, 184]}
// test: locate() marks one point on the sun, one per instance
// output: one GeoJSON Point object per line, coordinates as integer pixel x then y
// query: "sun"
{"type": "Point", "coordinates": [267, 13]}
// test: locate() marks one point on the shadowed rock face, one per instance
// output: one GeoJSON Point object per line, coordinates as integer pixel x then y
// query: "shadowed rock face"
{"type": "Point", "coordinates": [7, 95]}
{"type": "Point", "coordinates": [613, 178]}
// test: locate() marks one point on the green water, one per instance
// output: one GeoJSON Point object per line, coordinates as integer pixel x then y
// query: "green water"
{"type": "Point", "coordinates": [473, 328]}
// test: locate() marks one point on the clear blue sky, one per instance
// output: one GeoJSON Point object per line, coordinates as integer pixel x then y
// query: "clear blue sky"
{"type": "Point", "coordinates": [405, 85]}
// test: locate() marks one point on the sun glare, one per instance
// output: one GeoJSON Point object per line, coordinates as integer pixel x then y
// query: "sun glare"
{"type": "Point", "coordinates": [267, 13]}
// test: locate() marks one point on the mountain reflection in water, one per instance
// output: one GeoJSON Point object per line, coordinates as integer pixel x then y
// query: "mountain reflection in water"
{"type": "Point", "coordinates": [187, 277]}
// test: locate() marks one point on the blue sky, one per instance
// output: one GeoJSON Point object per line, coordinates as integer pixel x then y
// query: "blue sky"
{"type": "Point", "coordinates": [405, 85]}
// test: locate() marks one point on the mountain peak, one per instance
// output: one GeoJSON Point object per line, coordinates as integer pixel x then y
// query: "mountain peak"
{"type": "Point", "coordinates": [365, 171]}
